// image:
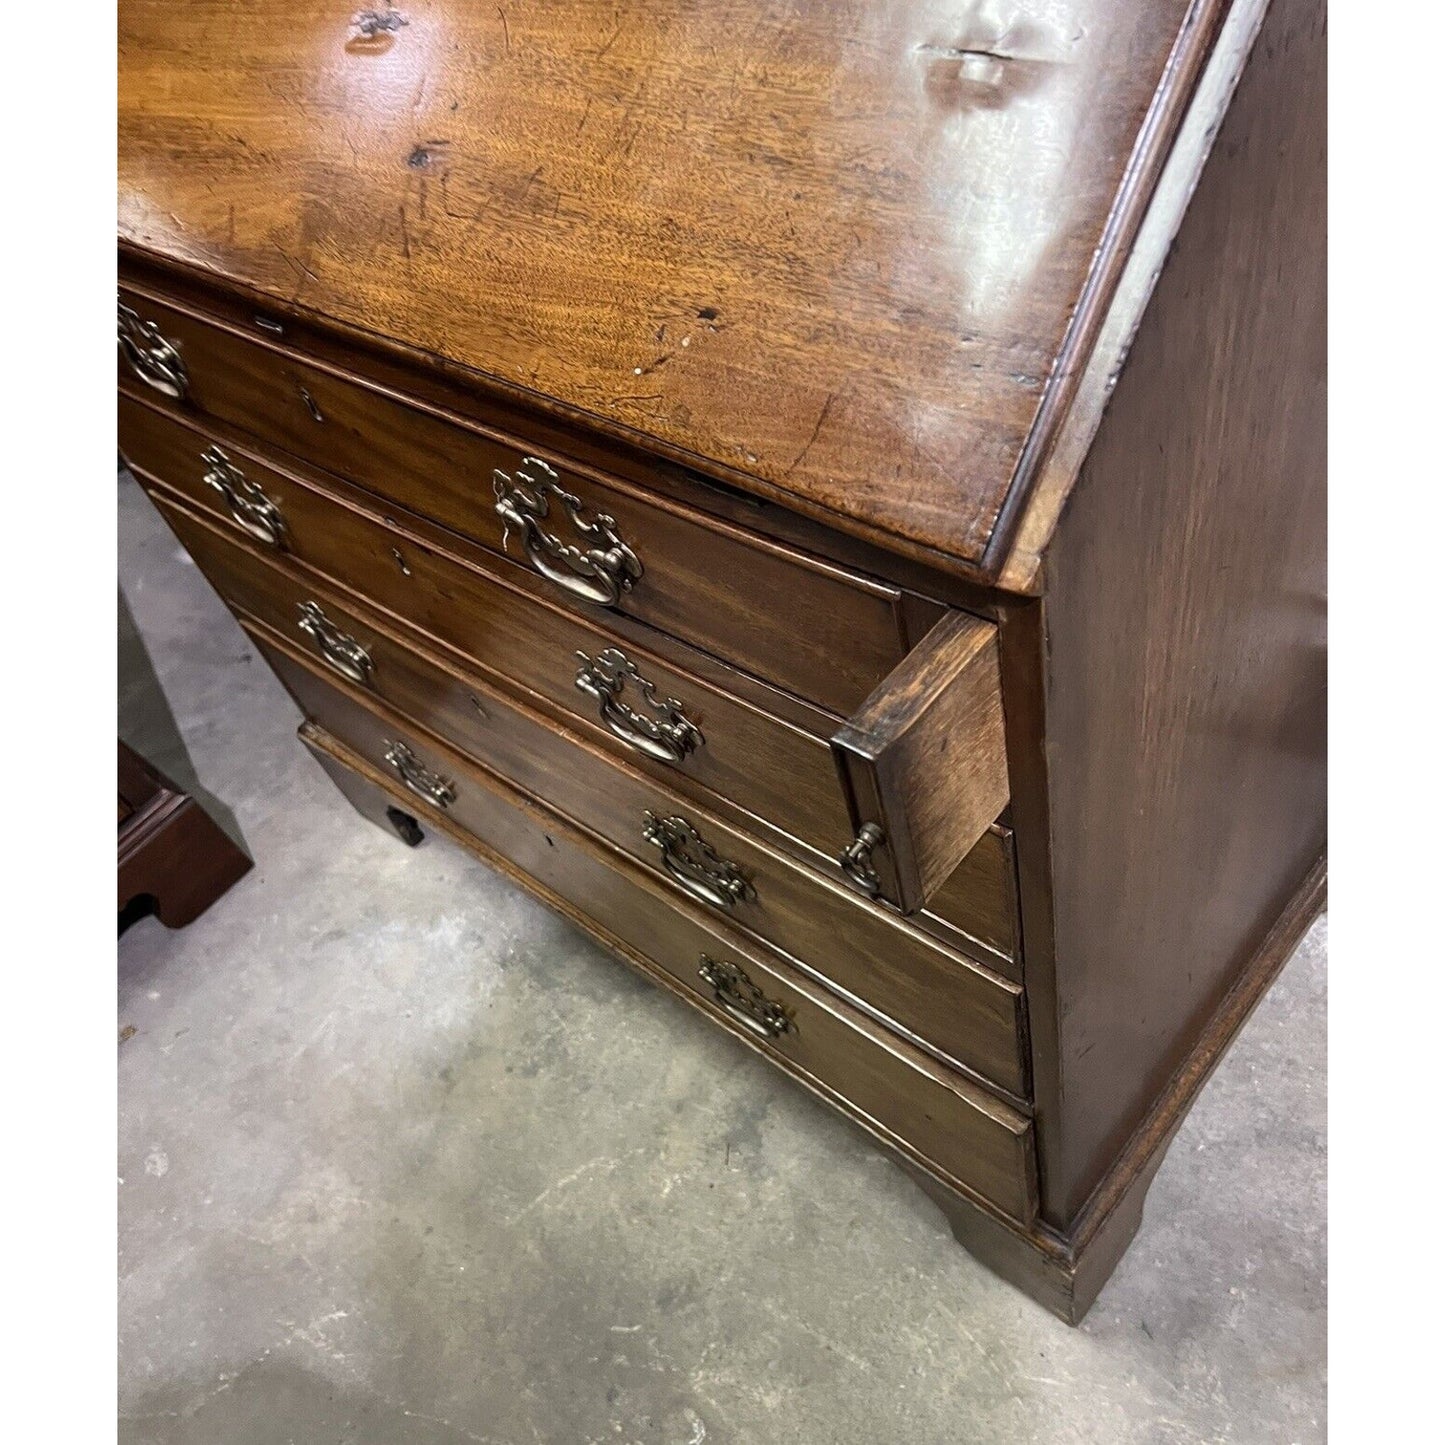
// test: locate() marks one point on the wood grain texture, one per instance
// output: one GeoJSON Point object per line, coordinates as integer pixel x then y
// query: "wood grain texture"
{"type": "Point", "coordinates": [964, 1132]}
{"type": "Point", "coordinates": [773, 770]}
{"type": "Point", "coordinates": [844, 253]}
{"type": "Point", "coordinates": [1186, 625]}
{"type": "Point", "coordinates": [769, 768]}
{"type": "Point", "coordinates": [1064, 1274]}
{"type": "Point", "coordinates": [924, 758]}
{"type": "Point", "coordinates": [701, 579]}
{"type": "Point", "coordinates": [846, 312]}
{"type": "Point", "coordinates": [396, 370]}
{"type": "Point", "coordinates": [1061, 458]}
{"type": "Point", "coordinates": [946, 1003]}
{"type": "Point", "coordinates": [168, 446]}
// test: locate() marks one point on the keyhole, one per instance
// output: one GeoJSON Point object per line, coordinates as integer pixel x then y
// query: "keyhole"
{"type": "Point", "coordinates": [311, 404]}
{"type": "Point", "coordinates": [401, 562]}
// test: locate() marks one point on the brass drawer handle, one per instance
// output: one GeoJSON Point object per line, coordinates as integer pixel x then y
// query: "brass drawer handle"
{"type": "Point", "coordinates": [440, 792]}
{"type": "Point", "coordinates": [250, 507]}
{"type": "Point", "coordinates": [736, 994]}
{"type": "Point", "coordinates": [598, 573]}
{"type": "Point", "coordinates": [857, 860]}
{"type": "Point", "coordinates": [339, 651]}
{"type": "Point", "coordinates": [310, 403]}
{"type": "Point", "coordinates": [668, 735]}
{"type": "Point", "coordinates": [694, 864]}
{"type": "Point", "coordinates": [154, 359]}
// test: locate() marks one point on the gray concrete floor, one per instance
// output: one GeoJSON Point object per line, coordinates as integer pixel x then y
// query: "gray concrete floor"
{"type": "Point", "coordinates": [405, 1158]}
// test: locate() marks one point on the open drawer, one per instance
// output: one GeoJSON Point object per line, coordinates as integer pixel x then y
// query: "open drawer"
{"type": "Point", "coordinates": [923, 764]}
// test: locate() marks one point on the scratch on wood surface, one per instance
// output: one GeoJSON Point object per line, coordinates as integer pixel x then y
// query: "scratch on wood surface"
{"type": "Point", "coordinates": [817, 427]}
{"type": "Point", "coordinates": [427, 153]}
{"type": "Point", "coordinates": [405, 239]}
{"type": "Point", "coordinates": [963, 52]}
{"type": "Point", "coordinates": [295, 264]}
{"type": "Point", "coordinates": [506, 31]}
{"type": "Point", "coordinates": [611, 41]}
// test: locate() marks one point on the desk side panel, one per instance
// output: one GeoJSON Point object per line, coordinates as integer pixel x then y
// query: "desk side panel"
{"type": "Point", "coordinates": [1185, 617]}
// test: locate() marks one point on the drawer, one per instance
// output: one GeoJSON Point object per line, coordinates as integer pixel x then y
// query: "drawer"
{"type": "Point", "coordinates": [767, 766]}
{"type": "Point", "coordinates": [671, 723]}
{"type": "Point", "coordinates": [923, 764]}
{"type": "Point", "coordinates": [898, 1092]}
{"type": "Point", "coordinates": [962, 1011]}
{"type": "Point", "coordinates": [817, 629]}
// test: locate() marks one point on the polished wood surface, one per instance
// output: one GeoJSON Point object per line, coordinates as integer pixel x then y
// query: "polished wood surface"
{"type": "Point", "coordinates": [953, 382]}
{"type": "Point", "coordinates": [169, 851]}
{"type": "Point", "coordinates": [168, 446]}
{"type": "Point", "coordinates": [924, 758]}
{"type": "Point", "coordinates": [339, 349]}
{"type": "Point", "coordinates": [1186, 625]}
{"type": "Point", "coordinates": [769, 768]}
{"type": "Point", "coordinates": [974, 1137]}
{"type": "Point", "coordinates": [1061, 453]}
{"type": "Point", "coordinates": [844, 253]}
{"type": "Point", "coordinates": [1063, 1273]}
{"type": "Point", "coordinates": [947, 1003]}
{"type": "Point", "coordinates": [698, 578]}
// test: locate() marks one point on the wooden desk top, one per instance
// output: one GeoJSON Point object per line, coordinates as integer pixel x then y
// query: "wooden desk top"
{"type": "Point", "coordinates": [844, 254]}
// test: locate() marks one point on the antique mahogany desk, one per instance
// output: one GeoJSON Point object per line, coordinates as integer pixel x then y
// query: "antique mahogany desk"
{"type": "Point", "coordinates": [828, 494]}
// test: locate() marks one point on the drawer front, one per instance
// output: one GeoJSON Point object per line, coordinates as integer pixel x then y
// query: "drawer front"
{"type": "Point", "coordinates": [923, 764]}
{"type": "Point", "coordinates": [964, 1012]}
{"type": "Point", "coordinates": [819, 630]}
{"type": "Point", "coordinates": [767, 767]}
{"type": "Point", "coordinates": [963, 1130]}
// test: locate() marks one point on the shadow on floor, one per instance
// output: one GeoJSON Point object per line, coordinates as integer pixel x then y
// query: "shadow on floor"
{"type": "Point", "coordinates": [145, 722]}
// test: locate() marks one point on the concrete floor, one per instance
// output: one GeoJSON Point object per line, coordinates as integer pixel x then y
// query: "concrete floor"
{"type": "Point", "coordinates": [404, 1158]}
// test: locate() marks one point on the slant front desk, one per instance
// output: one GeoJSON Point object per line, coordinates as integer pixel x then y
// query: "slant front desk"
{"type": "Point", "coordinates": [827, 495]}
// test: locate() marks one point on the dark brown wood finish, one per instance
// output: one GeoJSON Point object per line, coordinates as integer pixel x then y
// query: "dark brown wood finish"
{"type": "Point", "coordinates": [878, 265]}
{"type": "Point", "coordinates": [954, 384]}
{"type": "Point", "coordinates": [948, 1004]}
{"type": "Point", "coordinates": [696, 577]}
{"type": "Point", "coordinates": [1062, 1274]}
{"type": "Point", "coordinates": [924, 761]}
{"type": "Point", "coordinates": [394, 370]}
{"type": "Point", "coordinates": [778, 773]}
{"type": "Point", "coordinates": [1186, 625]}
{"type": "Point", "coordinates": [772, 768]}
{"type": "Point", "coordinates": [168, 445]}
{"type": "Point", "coordinates": [169, 850]}
{"type": "Point", "coordinates": [975, 1138]}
